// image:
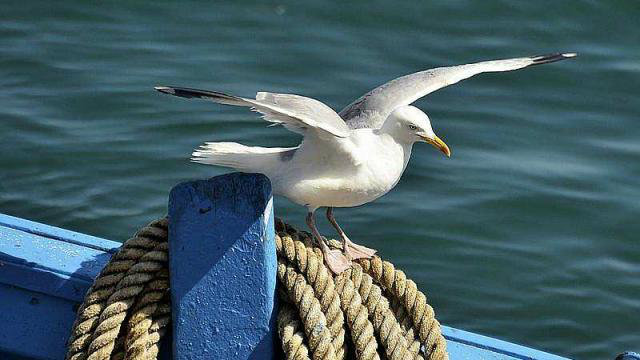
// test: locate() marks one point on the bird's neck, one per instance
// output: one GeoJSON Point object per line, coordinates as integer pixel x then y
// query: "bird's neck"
{"type": "Point", "coordinates": [394, 129]}
{"type": "Point", "coordinates": [397, 142]}
{"type": "Point", "coordinates": [395, 135]}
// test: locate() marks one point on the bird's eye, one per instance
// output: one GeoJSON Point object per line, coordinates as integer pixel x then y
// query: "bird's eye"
{"type": "Point", "coordinates": [413, 127]}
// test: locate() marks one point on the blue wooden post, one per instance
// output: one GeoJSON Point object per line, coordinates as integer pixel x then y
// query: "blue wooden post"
{"type": "Point", "coordinates": [223, 268]}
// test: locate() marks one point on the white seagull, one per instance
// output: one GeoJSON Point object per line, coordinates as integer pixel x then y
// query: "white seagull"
{"type": "Point", "coordinates": [346, 159]}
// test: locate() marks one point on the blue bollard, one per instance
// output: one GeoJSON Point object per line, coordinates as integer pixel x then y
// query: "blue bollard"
{"type": "Point", "coordinates": [223, 268]}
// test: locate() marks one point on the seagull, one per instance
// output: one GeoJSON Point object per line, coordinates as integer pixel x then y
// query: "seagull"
{"type": "Point", "coordinates": [345, 159]}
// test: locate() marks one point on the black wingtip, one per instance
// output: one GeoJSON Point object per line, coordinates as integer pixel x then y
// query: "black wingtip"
{"type": "Point", "coordinates": [190, 93]}
{"type": "Point", "coordinates": [165, 89]}
{"type": "Point", "coordinates": [549, 58]}
{"type": "Point", "coordinates": [180, 91]}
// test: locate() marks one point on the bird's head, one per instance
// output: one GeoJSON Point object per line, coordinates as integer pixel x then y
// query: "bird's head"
{"type": "Point", "coordinates": [409, 124]}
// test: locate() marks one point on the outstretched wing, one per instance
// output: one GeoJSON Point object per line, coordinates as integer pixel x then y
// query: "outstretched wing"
{"type": "Point", "coordinates": [297, 113]}
{"type": "Point", "coordinates": [370, 110]}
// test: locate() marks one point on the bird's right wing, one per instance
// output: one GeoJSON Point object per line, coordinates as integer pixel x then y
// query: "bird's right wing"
{"type": "Point", "coordinates": [297, 113]}
{"type": "Point", "coordinates": [370, 110]}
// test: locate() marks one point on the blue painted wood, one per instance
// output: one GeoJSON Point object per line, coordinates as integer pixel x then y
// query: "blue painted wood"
{"type": "Point", "coordinates": [56, 233]}
{"type": "Point", "coordinates": [45, 272]}
{"type": "Point", "coordinates": [49, 266]}
{"type": "Point", "coordinates": [223, 268]}
{"type": "Point", "coordinates": [466, 345]}
{"type": "Point", "coordinates": [33, 325]}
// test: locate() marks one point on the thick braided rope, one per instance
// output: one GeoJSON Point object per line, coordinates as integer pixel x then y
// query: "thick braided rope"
{"type": "Point", "coordinates": [404, 319]}
{"type": "Point", "coordinates": [127, 310]}
{"type": "Point", "coordinates": [138, 337]}
{"type": "Point", "coordinates": [290, 331]}
{"type": "Point", "coordinates": [313, 320]}
{"type": "Point", "coordinates": [357, 315]}
{"type": "Point", "coordinates": [310, 262]}
{"type": "Point", "coordinates": [118, 304]}
{"type": "Point", "coordinates": [377, 327]}
{"type": "Point", "coordinates": [384, 322]}
{"type": "Point", "coordinates": [311, 267]}
{"type": "Point", "coordinates": [414, 303]}
{"type": "Point", "coordinates": [129, 274]}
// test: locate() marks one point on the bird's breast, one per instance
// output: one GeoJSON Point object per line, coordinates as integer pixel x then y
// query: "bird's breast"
{"type": "Point", "coordinates": [381, 173]}
{"type": "Point", "coordinates": [341, 182]}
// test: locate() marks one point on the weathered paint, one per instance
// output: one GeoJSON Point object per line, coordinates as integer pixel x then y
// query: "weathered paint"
{"type": "Point", "coordinates": [45, 272]}
{"type": "Point", "coordinates": [466, 345]}
{"type": "Point", "coordinates": [223, 268]}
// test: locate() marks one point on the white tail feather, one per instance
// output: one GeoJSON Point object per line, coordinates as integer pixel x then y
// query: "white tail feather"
{"type": "Point", "coordinates": [238, 156]}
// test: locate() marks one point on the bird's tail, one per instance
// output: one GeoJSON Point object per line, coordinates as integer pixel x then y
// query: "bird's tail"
{"type": "Point", "coordinates": [239, 157]}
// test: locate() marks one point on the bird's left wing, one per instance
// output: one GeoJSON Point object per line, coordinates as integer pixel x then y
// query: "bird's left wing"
{"type": "Point", "coordinates": [297, 113]}
{"type": "Point", "coordinates": [370, 110]}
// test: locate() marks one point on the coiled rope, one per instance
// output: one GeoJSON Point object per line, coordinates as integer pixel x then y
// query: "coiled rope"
{"type": "Point", "coordinates": [371, 311]}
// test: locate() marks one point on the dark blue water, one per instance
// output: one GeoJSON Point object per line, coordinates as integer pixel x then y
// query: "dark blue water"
{"type": "Point", "coordinates": [528, 233]}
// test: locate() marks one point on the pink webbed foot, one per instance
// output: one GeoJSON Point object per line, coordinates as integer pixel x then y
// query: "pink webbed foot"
{"type": "Point", "coordinates": [355, 251]}
{"type": "Point", "coordinates": [335, 260]}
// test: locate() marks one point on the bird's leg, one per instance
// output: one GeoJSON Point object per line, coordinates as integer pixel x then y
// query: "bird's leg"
{"type": "Point", "coordinates": [335, 259]}
{"type": "Point", "coordinates": [351, 249]}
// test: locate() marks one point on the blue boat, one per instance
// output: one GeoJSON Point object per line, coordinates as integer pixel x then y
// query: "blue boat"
{"type": "Point", "coordinates": [45, 272]}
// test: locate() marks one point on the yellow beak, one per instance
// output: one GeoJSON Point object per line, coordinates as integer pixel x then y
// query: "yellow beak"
{"type": "Point", "coordinates": [439, 144]}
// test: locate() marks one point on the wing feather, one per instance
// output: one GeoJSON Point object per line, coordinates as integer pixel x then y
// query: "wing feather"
{"type": "Point", "coordinates": [297, 113]}
{"type": "Point", "coordinates": [370, 110]}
